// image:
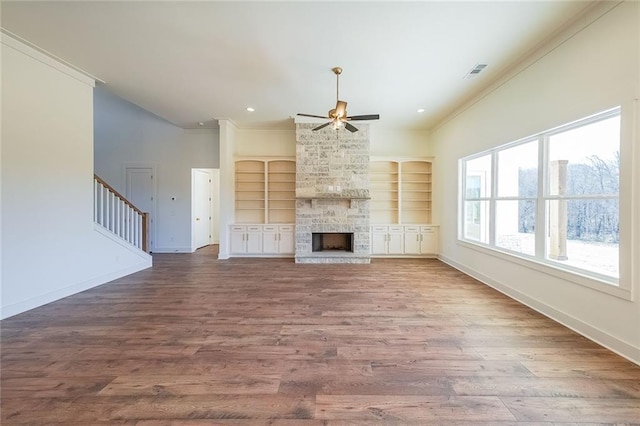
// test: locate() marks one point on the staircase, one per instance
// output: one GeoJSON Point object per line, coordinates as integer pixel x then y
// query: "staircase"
{"type": "Point", "coordinates": [118, 215]}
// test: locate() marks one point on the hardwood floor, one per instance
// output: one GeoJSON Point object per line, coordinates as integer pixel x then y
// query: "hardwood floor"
{"type": "Point", "coordinates": [265, 341]}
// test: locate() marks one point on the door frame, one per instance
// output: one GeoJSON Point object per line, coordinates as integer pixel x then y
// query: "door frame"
{"type": "Point", "coordinates": [214, 195]}
{"type": "Point", "coordinates": [154, 188]}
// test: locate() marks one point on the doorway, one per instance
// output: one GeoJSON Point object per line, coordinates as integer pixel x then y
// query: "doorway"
{"type": "Point", "coordinates": [204, 204]}
{"type": "Point", "coordinates": [140, 190]}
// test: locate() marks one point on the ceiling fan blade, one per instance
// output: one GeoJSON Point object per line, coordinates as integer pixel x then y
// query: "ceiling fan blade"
{"type": "Point", "coordinates": [322, 126]}
{"type": "Point", "coordinates": [314, 116]}
{"type": "Point", "coordinates": [341, 109]}
{"type": "Point", "coordinates": [364, 117]}
{"type": "Point", "coordinates": [350, 127]}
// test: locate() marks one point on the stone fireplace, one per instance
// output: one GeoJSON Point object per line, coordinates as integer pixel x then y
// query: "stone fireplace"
{"type": "Point", "coordinates": [332, 193]}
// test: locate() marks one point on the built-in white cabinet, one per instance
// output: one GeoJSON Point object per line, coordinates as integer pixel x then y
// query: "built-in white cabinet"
{"type": "Point", "coordinates": [395, 240]}
{"type": "Point", "coordinates": [262, 239]}
{"type": "Point", "coordinates": [277, 239]}
{"type": "Point", "coordinates": [387, 240]}
{"type": "Point", "coordinates": [246, 239]}
{"type": "Point", "coordinates": [420, 240]}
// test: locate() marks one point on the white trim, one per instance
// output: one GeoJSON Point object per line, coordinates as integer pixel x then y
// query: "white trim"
{"type": "Point", "coordinates": [539, 265]}
{"type": "Point", "coordinates": [173, 250]}
{"type": "Point", "coordinates": [23, 46]}
{"type": "Point", "coordinates": [34, 302]}
{"type": "Point", "coordinates": [622, 348]}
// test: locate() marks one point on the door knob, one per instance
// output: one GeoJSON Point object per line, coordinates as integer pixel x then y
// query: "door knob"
{"type": "Point", "coordinates": [197, 218]}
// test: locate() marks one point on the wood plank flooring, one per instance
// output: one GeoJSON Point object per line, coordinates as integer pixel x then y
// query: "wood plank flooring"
{"type": "Point", "coordinates": [265, 341]}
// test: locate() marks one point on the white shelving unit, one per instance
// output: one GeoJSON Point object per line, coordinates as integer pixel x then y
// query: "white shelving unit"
{"type": "Point", "coordinates": [415, 192]}
{"type": "Point", "coordinates": [401, 209]}
{"type": "Point", "coordinates": [384, 179]}
{"type": "Point", "coordinates": [281, 191]}
{"type": "Point", "coordinates": [400, 192]}
{"type": "Point", "coordinates": [250, 191]}
{"type": "Point", "coordinates": [265, 191]}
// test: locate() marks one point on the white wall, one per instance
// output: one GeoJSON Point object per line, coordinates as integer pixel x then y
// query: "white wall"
{"type": "Point", "coordinates": [282, 143]}
{"type": "Point", "coordinates": [50, 248]}
{"type": "Point", "coordinates": [596, 69]}
{"type": "Point", "coordinates": [399, 143]}
{"type": "Point", "coordinates": [265, 143]}
{"type": "Point", "coordinates": [126, 134]}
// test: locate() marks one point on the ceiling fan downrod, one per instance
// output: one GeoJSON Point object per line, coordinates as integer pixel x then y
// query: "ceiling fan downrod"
{"type": "Point", "coordinates": [337, 71]}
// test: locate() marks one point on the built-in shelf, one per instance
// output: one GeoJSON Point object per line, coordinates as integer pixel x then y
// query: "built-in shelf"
{"type": "Point", "coordinates": [265, 191]}
{"type": "Point", "coordinates": [400, 191]}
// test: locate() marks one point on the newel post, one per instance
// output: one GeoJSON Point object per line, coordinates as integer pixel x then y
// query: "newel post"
{"type": "Point", "coordinates": [145, 232]}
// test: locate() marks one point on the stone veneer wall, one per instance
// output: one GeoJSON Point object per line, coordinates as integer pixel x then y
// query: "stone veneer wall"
{"type": "Point", "coordinates": [332, 190]}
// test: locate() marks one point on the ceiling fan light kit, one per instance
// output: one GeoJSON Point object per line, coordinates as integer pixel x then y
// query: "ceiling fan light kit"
{"type": "Point", "coordinates": [338, 116]}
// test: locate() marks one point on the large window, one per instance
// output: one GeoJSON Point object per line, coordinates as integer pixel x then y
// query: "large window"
{"type": "Point", "coordinates": [552, 197]}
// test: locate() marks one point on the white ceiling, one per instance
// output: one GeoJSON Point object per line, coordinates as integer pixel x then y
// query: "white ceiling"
{"type": "Point", "coordinates": [195, 61]}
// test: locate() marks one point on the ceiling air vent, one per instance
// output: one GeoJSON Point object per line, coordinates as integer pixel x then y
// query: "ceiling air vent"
{"type": "Point", "coordinates": [475, 71]}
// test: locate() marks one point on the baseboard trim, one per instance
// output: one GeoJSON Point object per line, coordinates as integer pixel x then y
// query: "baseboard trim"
{"type": "Point", "coordinates": [173, 250]}
{"type": "Point", "coordinates": [600, 337]}
{"type": "Point", "coordinates": [34, 302]}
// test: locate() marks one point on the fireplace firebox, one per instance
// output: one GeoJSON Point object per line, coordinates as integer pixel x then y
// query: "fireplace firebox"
{"type": "Point", "coordinates": [332, 241]}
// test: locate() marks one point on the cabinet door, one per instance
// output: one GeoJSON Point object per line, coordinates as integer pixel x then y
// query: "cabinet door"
{"type": "Point", "coordinates": [429, 237]}
{"type": "Point", "coordinates": [412, 239]}
{"type": "Point", "coordinates": [396, 234]}
{"type": "Point", "coordinates": [238, 239]}
{"type": "Point", "coordinates": [285, 240]}
{"type": "Point", "coordinates": [379, 240]}
{"type": "Point", "coordinates": [254, 239]}
{"type": "Point", "coordinates": [270, 240]}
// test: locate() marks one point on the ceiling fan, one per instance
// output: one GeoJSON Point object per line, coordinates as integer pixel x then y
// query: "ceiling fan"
{"type": "Point", "coordinates": [338, 115]}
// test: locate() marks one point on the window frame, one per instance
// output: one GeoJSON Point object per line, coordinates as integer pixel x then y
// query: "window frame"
{"type": "Point", "coordinates": [621, 286]}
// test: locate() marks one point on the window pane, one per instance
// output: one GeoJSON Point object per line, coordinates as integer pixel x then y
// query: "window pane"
{"type": "Point", "coordinates": [515, 225]}
{"type": "Point", "coordinates": [478, 177]}
{"type": "Point", "coordinates": [476, 222]}
{"type": "Point", "coordinates": [586, 160]}
{"type": "Point", "coordinates": [518, 171]}
{"type": "Point", "coordinates": [584, 234]}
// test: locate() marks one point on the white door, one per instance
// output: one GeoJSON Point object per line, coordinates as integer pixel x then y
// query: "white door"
{"type": "Point", "coordinates": [396, 235]}
{"type": "Point", "coordinates": [379, 240]}
{"type": "Point", "coordinates": [412, 240]}
{"type": "Point", "coordinates": [141, 192]}
{"type": "Point", "coordinates": [238, 239]}
{"type": "Point", "coordinates": [254, 239]}
{"type": "Point", "coordinates": [201, 215]}
{"type": "Point", "coordinates": [285, 239]}
{"type": "Point", "coordinates": [429, 240]}
{"type": "Point", "coordinates": [270, 239]}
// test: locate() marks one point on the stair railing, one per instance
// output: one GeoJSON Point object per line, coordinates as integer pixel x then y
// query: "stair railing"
{"type": "Point", "coordinates": [117, 214]}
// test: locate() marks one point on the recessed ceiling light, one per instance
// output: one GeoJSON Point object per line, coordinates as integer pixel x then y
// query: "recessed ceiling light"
{"type": "Point", "coordinates": [421, 110]}
{"type": "Point", "coordinates": [250, 109]}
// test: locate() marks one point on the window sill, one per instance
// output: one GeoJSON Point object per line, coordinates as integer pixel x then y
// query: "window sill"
{"type": "Point", "coordinates": [584, 280]}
